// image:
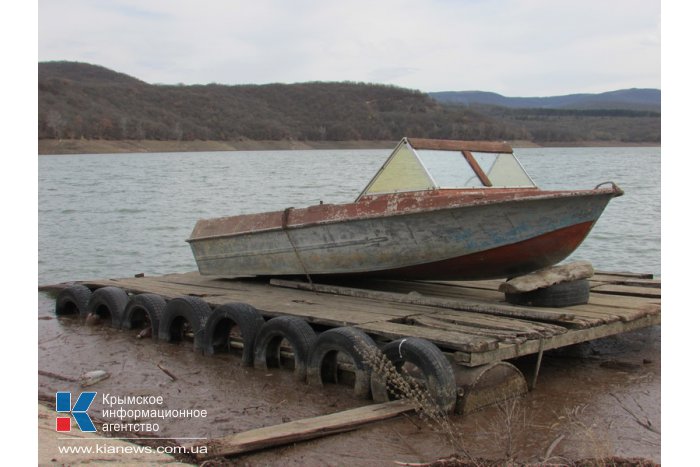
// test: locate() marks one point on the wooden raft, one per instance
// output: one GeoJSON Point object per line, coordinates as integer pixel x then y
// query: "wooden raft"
{"type": "Point", "coordinates": [470, 321]}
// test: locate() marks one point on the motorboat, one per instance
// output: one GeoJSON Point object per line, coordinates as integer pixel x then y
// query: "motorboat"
{"type": "Point", "coordinates": [435, 210]}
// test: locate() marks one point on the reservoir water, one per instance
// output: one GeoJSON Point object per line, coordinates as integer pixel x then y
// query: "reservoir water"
{"type": "Point", "coordinates": [115, 215]}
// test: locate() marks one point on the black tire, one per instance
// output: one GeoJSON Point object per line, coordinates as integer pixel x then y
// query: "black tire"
{"type": "Point", "coordinates": [73, 299]}
{"type": "Point", "coordinates": [438, 376]}
{"type": "Point", "coordinates": [109, 302]}
{"type": "Point", "coordinates": [215, 337]}
{"type": "Point", "coordinates": [180, 311]}
{"type": "Point", "coordinates": [142, 309]}
{"type": "Point", "coordinates": [322, 364]}
{"type": "Point", "coordinates": [299, 334]}
{"type": "Point", "coordinates": [558, 295]}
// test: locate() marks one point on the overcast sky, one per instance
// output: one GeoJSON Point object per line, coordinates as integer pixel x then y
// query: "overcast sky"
{"type": "Point", "coordinates": [513, 47]}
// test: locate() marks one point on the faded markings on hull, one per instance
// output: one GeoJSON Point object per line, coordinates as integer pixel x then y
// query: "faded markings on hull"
{"type": "Point", "coordinates": [506, 261]}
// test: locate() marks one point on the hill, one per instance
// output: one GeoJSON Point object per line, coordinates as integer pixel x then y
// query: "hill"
{"type": "Point", "coordinates": [78, 100]}
{"type": "Point", "coordinates": [625, 99]}
{"type": "Point", "coordinates": [86, 74]}
{"type": "Point", "coordinates": [83, 101]}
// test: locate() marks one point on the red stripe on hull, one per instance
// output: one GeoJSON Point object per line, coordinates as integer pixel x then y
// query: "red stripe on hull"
{"type": "Point", "coordinates": [506, 261]}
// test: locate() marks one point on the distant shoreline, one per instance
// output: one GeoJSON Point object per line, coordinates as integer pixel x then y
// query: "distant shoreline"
{"type": "Point", "coordinates": [82, 146]}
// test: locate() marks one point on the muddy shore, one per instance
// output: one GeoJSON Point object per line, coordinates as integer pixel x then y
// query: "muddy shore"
{"type": "Point", "coordinates": [592, 401]}
{"type": "Point", "coordinates": [75, 146]}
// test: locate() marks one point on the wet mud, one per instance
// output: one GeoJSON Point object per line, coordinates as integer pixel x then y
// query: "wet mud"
{"type": "Point", "coordinates": [594, 400]}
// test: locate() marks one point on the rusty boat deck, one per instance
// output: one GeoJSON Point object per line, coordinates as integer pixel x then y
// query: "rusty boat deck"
{"type": "Point", "coordinates": [469, 320]}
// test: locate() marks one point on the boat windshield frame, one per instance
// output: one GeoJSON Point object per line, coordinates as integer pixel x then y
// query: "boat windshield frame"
{"type": "Point", "coordinates": [424, 165]}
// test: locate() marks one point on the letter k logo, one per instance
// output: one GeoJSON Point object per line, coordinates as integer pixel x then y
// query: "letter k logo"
{"type": "Point", "coordinates": [79, 411]}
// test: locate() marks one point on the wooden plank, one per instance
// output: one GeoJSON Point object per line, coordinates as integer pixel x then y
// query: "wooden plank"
{"type": "Point", "coordinates": [608, 308]}
{"type": "Point", "coordinates": [155, 285]}
{"type": "Point", "coordinates": [649, 292]}
{"type": "Point", "coordinates": [269, 297]}
{"type": "Point", "coordinates": [596, 315]}
{"type": "Point", "coordinates": [448, 339]}
{"type": "Point", "coordinates": [578, 316]}
{"type": "Point", "coordinates": [627, 274]}
{"type": "Point", "coordinates": [343, 303]}
{"type": "Point", "coordinates": [482, 294]}
{"type": "Point", "coordinates": [625, 313]}
{"type": "Point", "coordinates": [638, 280]}
{"type": "Point", "coordinates": [552, 315]}
{"type": "Point", "coordinates": [621, 280]}
{"type": "Point", "coordinates": [509, 351]}
{"type": "Point", "coordinates": [498, 322]}
{"type": "Point", "coordinates": [491, 284]}
{"type": "Point", "coordinates": [477, 168]}
{"type": "Point", "coordinates": [426, 290]}
{"type": "Point", "coordinates": [443, 290]}
{"type": "Point", "coordinates": [450, 145]}
{"type": "Point", "coordinates": [620, 301]}
{"type": "Point", "coordinates": [195, 278]}
{"type": "Point", "coordinates": [499, 335]}
{"type": "Point", "coordinates": [488, 301]}
{"type": "Point", "coordinates": [301, 430]}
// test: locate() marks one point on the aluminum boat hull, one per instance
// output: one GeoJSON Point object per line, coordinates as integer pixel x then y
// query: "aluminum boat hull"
{"type": "Point", "coordinates": [432, 235]}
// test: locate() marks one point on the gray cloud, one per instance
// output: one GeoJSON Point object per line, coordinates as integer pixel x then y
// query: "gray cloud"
{"type": "Point", "coordinates": [516, 47]}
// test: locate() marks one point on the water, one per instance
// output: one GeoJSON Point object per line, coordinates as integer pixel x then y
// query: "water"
{"type": "Point", "coordinates": [117, 215]}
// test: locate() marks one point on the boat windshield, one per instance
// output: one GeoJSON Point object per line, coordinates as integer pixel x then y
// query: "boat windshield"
{"type": "Point", "coordinates": [429, 168]}
{"type": "Point", "coordinates": [455, 169]}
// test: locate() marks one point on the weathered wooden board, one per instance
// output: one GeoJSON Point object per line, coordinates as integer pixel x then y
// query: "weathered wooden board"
{"type": "Point", "coordinates": [488, 322]}
{"type": "Point", "coordinates": [634, 275]}
{"type": "Point", "coordinates": [509, 351]}
{"type": "Point", "coordinates": [166, 289]}
{"type": "Point", "coordinates": [301, 430]}
{"type": "Point", "coordinates": [461, 290]}
{"type": "Point", "coordinates": [595, 315]}
{"type": "Point", "coordinates": [448, 339]}
{"type": "Point", "coordinates": [474, 305]}
{"type": "Point", "coordinates": [610, 314]}
{"type": "Point", "coordinates": [599, 278]}
{"type": "Point", "coordinates": [490, 284]}
{"type": "Point", "coordinates": [651, 292]}
{"type": "Point", "coordinates": [449, 145]}
{"type": "Point", "coordinates": [578, 317]}
{"type": "Point", "coordinates": [621, 280]}
{"type": "Point", "coordinates": [501, 336]}
{"type": "Point", "coordinates": [620, 301]}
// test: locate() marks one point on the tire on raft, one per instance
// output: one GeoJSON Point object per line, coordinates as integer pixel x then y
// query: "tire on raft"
{"type": "Point", "coordinates": [180, 312]}
{"type": "Point", "coordinates": [558, 295]}
{"type": "Point", "coordinates": [323, 360]}
{"type": "Point", "coordinates": [72, 300]}
{"type": "Point", "coordinates": [440, 383]}
{"type": "Point", "coordinates": [296, 331]}
{"type": "Point", "coordinates": [109, 301]}
{"type": "Point", "coordinates": [215, 337]}
{"type": "Point", "coordinates": [142, 309]}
